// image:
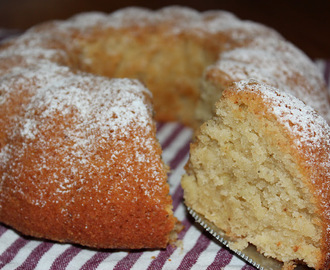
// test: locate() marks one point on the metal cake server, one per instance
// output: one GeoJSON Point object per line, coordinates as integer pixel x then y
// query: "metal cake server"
{"type": "Point", "coordinates": [249, 254]}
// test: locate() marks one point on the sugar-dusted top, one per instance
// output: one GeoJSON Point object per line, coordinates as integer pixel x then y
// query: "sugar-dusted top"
{"type": "Point", "coordinates": [307, 127]}
{"type": "Point", "coordinates": [278, 63]}
{"type": "Point", "coordinates": [181, 19]}
{"type": "Point", "coordinates": [75, 114]}
{"type": "Point", "coordinates": [52, 40]}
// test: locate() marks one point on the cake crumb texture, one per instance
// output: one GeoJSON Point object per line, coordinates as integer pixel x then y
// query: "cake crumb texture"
{"type": "Point", "coordinates": [259, 170]}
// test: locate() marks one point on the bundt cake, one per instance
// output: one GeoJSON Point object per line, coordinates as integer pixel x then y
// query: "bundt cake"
{"type": "Point", "coordinates": [259, 170]}
{"type": "Point", "coordinates": [78, 151]}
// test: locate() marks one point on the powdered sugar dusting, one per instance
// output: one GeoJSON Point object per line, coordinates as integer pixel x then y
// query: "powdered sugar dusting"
{"type": "Point", "coordinates": [75, 116]}
{"type": "Point", "coordinates": [293, 113]}
{"type": "Point", "coordinates": [34, 46]}
{"type": "Point", "coordinates": [110, 106]}
{"type": "Point", "coordinates": [279, 64]}
{"type": "Point", "coordinates": [181, 19]}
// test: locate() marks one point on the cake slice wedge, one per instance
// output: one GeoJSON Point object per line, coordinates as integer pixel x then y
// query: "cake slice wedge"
{"type": "Point", "coordinates": [259, 171]}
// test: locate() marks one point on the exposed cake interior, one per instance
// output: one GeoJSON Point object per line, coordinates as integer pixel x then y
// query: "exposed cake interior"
{"type": "Point", "coordinates": [242, 177]}
{"type": "Point", "coordinates": [170, 66]}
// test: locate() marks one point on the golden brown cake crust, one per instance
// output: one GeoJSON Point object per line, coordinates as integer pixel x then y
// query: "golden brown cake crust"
{"type": "Point", "coordinates": [80, 163]}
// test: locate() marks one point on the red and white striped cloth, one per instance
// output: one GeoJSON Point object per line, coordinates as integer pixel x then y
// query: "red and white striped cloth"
{"type": "Point", "coordinates": [198, 250]}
